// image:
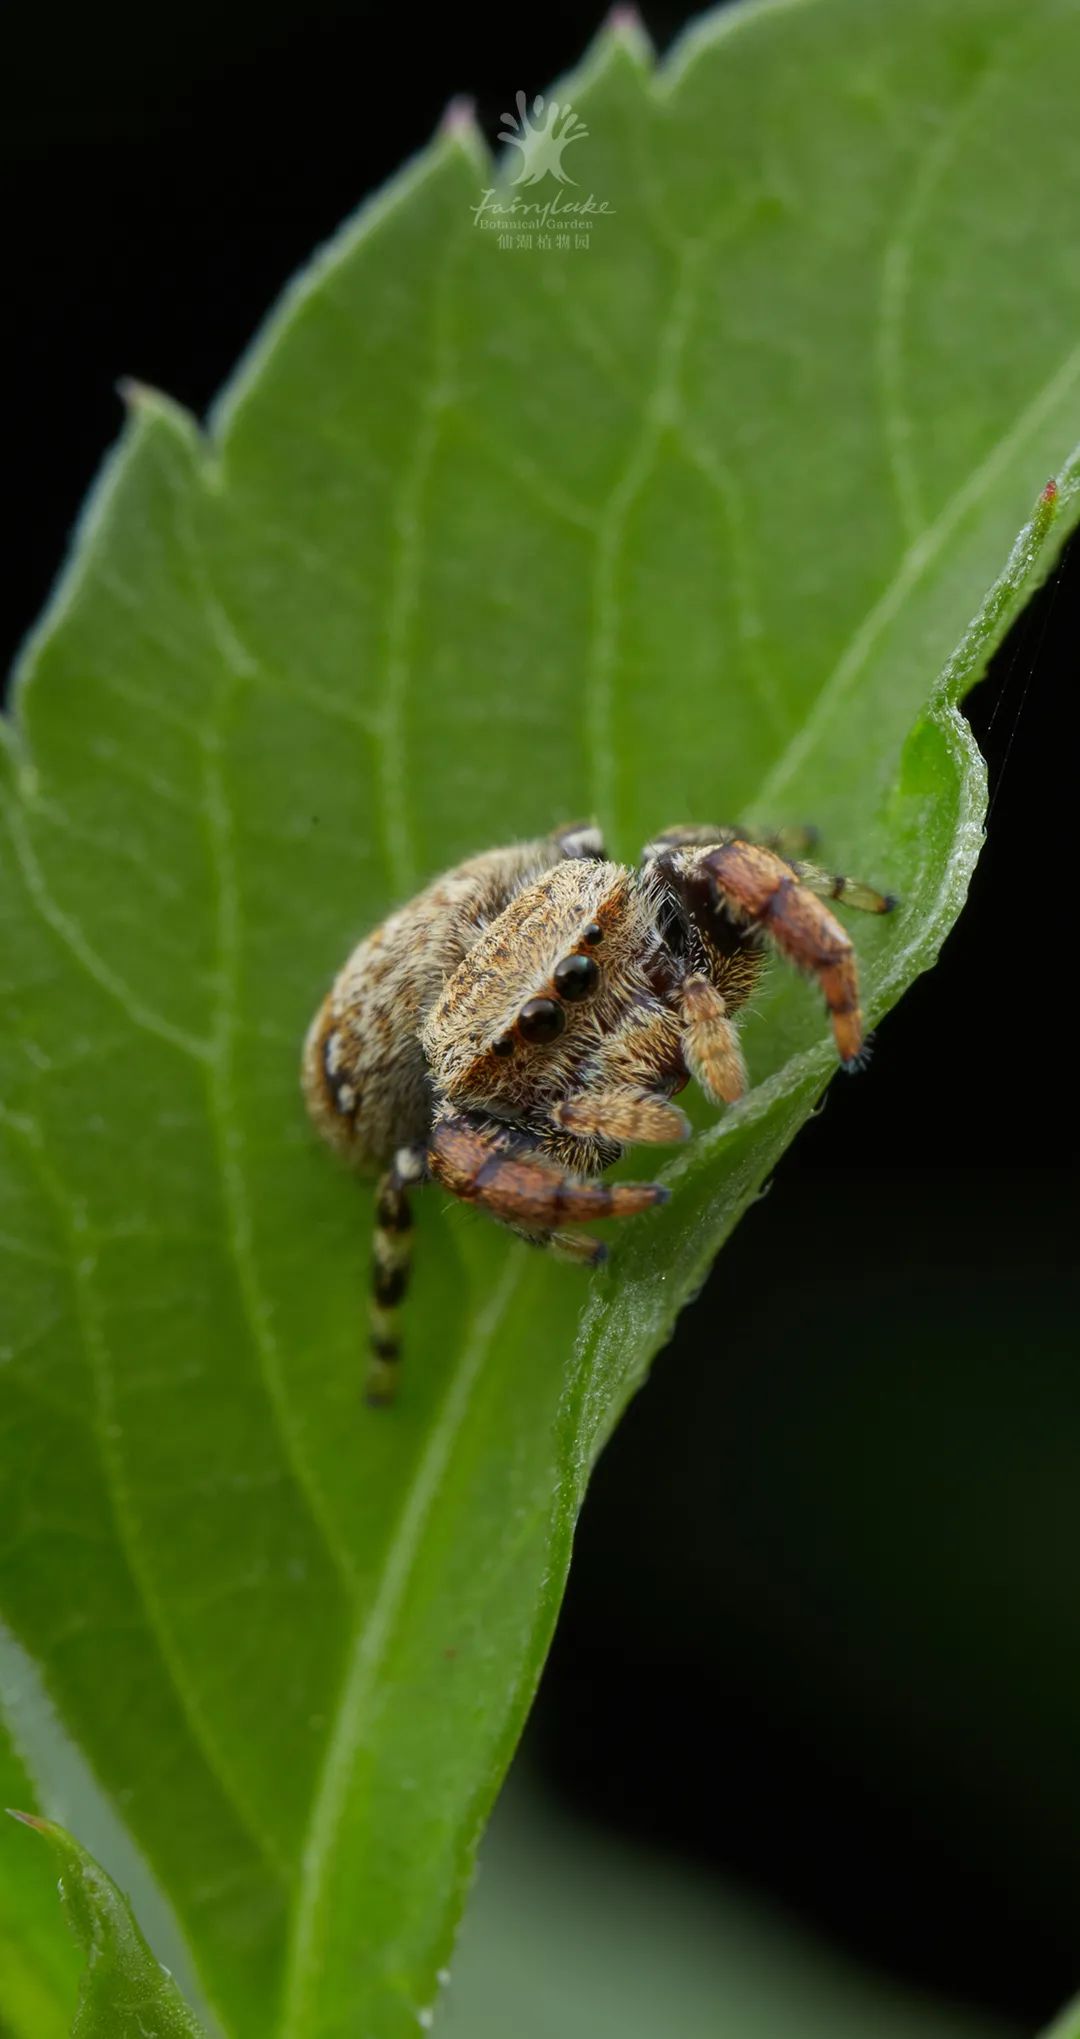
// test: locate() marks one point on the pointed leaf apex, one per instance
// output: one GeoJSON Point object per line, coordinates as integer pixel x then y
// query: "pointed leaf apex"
{"type": "Point", "coordinates": [624, 24]}
{"type": "Point", "coordinates": [29, 1819]}
{"type": "Point", "coordinates": [134, 394]}
{"type": "Point", "coordinates": [459, 116]}
{"type": "Point", "coordinates": [460, 129]}
{"type": "Point", "coordinates": [150, 407]}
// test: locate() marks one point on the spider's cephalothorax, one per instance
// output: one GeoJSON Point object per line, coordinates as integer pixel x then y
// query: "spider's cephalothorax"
{"type": "Point", "coordinates": [537, 1008]}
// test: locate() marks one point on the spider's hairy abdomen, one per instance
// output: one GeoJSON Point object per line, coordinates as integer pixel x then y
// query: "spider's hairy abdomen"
{"type": "Point", "coordinates": [365, 1078]}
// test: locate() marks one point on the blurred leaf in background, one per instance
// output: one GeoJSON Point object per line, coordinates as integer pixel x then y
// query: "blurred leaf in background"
{"type": "Point", "coordinates": [568, 1937]}
{"type": "Point", "coordinates": [852, 1648]}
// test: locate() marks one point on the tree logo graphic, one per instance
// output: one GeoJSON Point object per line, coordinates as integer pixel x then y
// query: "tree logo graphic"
{"type": "Point", "coordinates": [542, 134]}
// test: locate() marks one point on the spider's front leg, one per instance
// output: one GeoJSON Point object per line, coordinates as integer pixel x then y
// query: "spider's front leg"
{"type": "Point", "coordinates": [756, 885]}
{"type": "Point", "coordinates": [485, 1163]}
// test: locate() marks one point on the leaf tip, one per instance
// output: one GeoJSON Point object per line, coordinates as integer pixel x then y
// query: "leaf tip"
{"type": "Point", "coordinates": [1045, 510]}
{"type": "Point", "coordinates": [150, 410]}
{"type": "Point", "coordinates": [28, 1819]}
{"type": "Point", "coordinates": [459, 127]}
{"type": "Point", "coordinates": [135, 395]}
{"type": "Point", "coordinates": [459, 115]}
{"type": "Point", "coordinates": [624, 24]}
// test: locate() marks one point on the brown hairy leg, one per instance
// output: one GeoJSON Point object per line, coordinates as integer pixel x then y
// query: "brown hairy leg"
{"type": "Point", "coordinates": [761, 887]}
{"type": "Point", "coordinates": [579, 1247]}
{"type": "Point", "coordinates": [710, 1042]}
{"type": "Point", "coordinates": [483, 1165]}
{"type": "Point", "coordinates": [790, 843]}
{"type": "Point", "coordinates": [624, 1115]}
{"type": "Point", "coordinates": [845, 891]}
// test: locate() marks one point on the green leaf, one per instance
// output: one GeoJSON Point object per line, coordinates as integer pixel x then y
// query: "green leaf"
{"type": "Point", "coordinates": [123, 1985]}
{"type": "Point", "coordinates": [687, 523]}
{"type": "Point", "coordinates": [37, 1969]}
{"type": "Point", "coordinates": [1068, 2025]}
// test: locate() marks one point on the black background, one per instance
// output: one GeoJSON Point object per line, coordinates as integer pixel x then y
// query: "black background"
{"type": "Point", "coordinates": [821, 1631]}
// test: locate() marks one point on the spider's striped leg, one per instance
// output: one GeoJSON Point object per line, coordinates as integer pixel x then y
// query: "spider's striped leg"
{"type": "Point", "coordinates": [391, 1263]}
{"type": "Point", "coordinates": [711, 1043]}
{"type": "Point", "coordinates": [484, 1164]}
{"type": "Point", "coordinates": [791, 843]}
{"type": "Point", "coordinates": [792, 840]}
{"type": "Point", "coordinates": [845, 891]}
{"type": "Point", "coordinates": [624, 1114]}
{"type": "Point", "coordinates": [756, 885]}
{"type": "Point", "coordinates": [580, 1247]}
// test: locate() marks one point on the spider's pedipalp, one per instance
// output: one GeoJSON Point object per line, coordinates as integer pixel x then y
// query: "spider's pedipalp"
{"type": "Point", "coordinates": [481, 1165]}
{"type": "Point", "coordinates": [624, 1115]}
{"type": "Point", "coordinates": [710, 1043]}
{"type": "Point", "coordinates": [761, 887]}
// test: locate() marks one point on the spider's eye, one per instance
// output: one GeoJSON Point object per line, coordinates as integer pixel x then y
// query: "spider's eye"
{"type": "Point", "coordinates": [541, 1020]}
{"type": "Point", "coordinates": [575, 977]}
{"type": "Point", "coordinates": [503, 1046]}
{"type": "Point", "coordinates": [593, 933]}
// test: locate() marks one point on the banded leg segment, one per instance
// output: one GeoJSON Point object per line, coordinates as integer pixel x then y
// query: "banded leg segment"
{"type": "Point", "coordinates": [484, 1165]}
{"type": "Point", "coordinates": [793, 840]}
{"type": "Point", "coordinates": [580, 1247]}
{"type": "Point", "coordinates": [790, 843]}
{"type": "Point", "coordinates": [390, 1268]}
{"type": "Point", "coordinates": [845, 891]}
{"type": "Point", "coordinates": [622, 1114]}
{"type": "Point", "coordinates": [763, 888]}
{"type": "Point", "coordinates": [711, 1043]}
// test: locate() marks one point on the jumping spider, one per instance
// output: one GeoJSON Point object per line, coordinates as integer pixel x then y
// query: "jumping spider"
{"type": "Point", "coordinates": [537, 1007]}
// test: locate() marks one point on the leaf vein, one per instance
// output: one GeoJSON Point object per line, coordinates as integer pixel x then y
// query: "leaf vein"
{"type": "Point", "coordinates": [406, 564]}
{"type": "Point", "coordinates": [70, 934]}
{"type": "Point", "coordinates": [81, 1265]}
{"type": "Point", "coordinates": [917, 562]}
{"type": "Point", "coordinates": [658, 414]}
{"type": "Point", "coordinates": [895, 283]}
{"type": "Point", "coordinates": [220, 1071]}
{"type": "Point", "coordinates": [368, 1652]}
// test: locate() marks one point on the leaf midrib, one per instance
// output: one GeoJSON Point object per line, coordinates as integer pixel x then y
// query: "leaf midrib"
{"type": "Point", "coordinates": [368, 1651]}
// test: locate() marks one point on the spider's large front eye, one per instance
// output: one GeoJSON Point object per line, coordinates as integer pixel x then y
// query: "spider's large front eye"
{"type": "Point", "coordinates": [541, 1020]}
{"type": "Point", "coordinates": [576, 976]}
